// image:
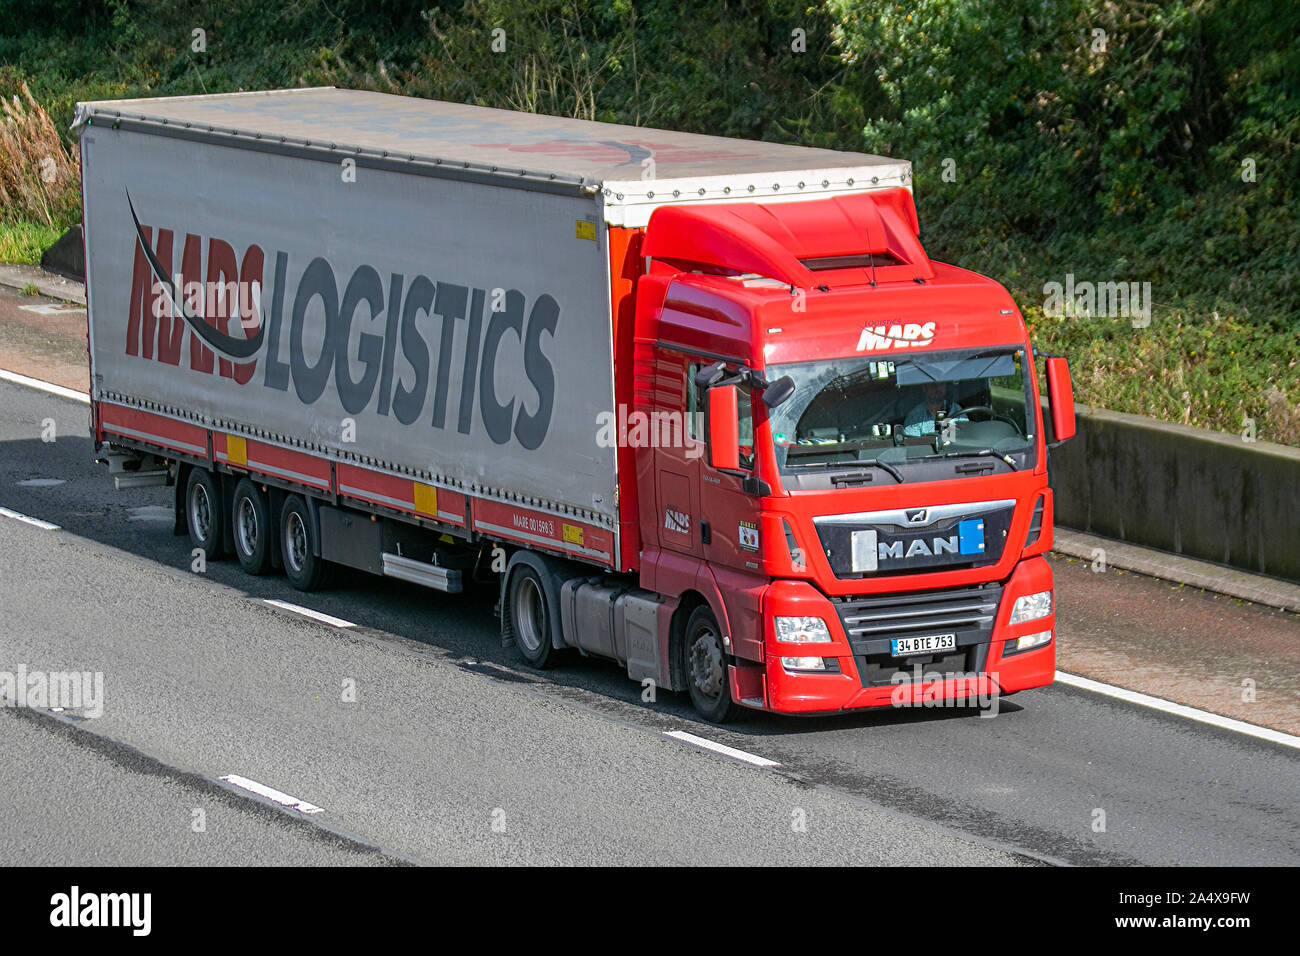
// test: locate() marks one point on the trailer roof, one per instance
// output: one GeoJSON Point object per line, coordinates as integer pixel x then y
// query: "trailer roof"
{"type": "Point", "coordinates": [475, 142]}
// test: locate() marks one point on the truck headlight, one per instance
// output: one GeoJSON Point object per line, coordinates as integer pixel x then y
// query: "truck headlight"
{"type": "Point", "coordinates": [1029, 640]}
{"type": "Point", "coordinates": [802, 630]}
{"type": "Point", "coordinates": [804, 663]}
{"type": "Point", "coordinates": [1031, 607]}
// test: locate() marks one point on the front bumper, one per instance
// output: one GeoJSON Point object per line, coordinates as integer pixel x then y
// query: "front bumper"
{"type": "Point", "coordinates": [868, 676]}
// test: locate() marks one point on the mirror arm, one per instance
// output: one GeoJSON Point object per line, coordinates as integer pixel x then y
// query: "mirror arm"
{"type": "Point", "coordinates": [714, 375]}
{"type": "Point", "coordinates": [711, 375]}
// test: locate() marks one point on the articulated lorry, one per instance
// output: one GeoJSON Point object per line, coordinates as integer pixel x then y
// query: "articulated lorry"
{"type": "Point", "coordinates": [701, 406]}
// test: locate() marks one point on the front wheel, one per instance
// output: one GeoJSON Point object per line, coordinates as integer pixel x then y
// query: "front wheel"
{"type": "Point", "coordinates": [706, 668]}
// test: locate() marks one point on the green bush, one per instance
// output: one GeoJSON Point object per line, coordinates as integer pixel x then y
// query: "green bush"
{"type": "Point", "coordinates": [1114, 155]}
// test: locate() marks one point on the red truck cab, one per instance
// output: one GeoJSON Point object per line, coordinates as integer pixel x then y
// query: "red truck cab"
{"type": "Point", "coordinates": [861, 504]}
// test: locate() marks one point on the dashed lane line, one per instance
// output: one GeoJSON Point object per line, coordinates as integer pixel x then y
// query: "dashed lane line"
{"type": "Point", "coordinates": [270, 793]}
{"type": "Point", "coordinates": [723, 749]}
{"type": "Point", "coordinates": [308, 612]}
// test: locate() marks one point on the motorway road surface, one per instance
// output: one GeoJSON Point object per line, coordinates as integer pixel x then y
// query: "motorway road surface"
{"type": "Point", "coordinates": [451, 752]}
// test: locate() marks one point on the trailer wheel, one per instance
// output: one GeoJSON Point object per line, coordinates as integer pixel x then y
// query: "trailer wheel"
{"type": "Point", "coordinates": [305, 570]}
{"type": "Point", "coordinates": [706, 667]}
{"type": "Point", "coordinates": [251, 528]}
{"type": "Point", "coordinates": [203, 513]}
{"type": "Point", "coordinates": [527, 618]}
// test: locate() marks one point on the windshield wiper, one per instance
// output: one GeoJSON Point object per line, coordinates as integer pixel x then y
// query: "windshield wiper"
{"type": "Point", "coordinates": [857, 465]}
{"type": "Point", "coordinates": [982, 453]}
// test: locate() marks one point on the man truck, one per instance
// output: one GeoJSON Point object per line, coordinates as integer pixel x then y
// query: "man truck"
{"type": "Point", "coordinates": [702, 406]}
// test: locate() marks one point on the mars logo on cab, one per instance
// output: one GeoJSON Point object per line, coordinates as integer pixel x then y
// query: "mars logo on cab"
{"type": "Point", "coordinates": [880, 337]}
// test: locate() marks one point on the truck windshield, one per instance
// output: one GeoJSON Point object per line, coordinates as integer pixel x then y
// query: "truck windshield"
{"type": "Point", "coordinates": [905, 418]}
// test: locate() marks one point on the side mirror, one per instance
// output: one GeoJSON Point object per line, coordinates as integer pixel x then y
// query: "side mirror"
{"type": "Point", "coordinates": [778, 391]}
{"type": "Point", "coordinates": [1060, 393]}
{"type": "Point", "coordinates": [724, 430]}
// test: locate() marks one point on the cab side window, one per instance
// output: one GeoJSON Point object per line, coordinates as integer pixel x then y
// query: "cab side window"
{"type": "Point", "coordinates": [745, 427]}
{"type": "Point", "coordinates": [696, 417]}
{"type": "Point", "coordinates": [694, 407]}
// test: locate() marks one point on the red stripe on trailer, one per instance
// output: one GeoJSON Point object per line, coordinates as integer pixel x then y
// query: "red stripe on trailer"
{"type": "Point", "coordinates": [402, 494]}
{"type": "Point", "coordinates": [267, 459]}
{"type": "Point", "coordinates": [160, 430]}
{"type": "Point", "coordinates": [556, 532]}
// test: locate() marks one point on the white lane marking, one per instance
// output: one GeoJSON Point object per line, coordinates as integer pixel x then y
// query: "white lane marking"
{"type": "Point", "coordinates": [308, 612]}
{"type": "Point", "coordinates": [721, 748]}
{"type": "Point", "coordinates": [37, 522]}
{"type": "Point", "coordinates": [42, 482]}
{"type": "Point", "coordinates": [1180, 710]}
{"type": "Point", "coordinates": [50, 387]}
{"type": "Point", "coordinates": [262, 790]}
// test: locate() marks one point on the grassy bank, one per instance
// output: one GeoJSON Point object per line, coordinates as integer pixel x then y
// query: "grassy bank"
{"type": "Point", "coordinates": [25, 241]}
{"type": "Point", "coordinates": [1209, 371]}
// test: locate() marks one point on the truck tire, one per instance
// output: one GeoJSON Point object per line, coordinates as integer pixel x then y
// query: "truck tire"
{"type": "Point", "coordinates": [305, 569]}
{"type": "Point", "coordinates": [526, 617]}
{"type": "Point", "coordinates": [203, 513]}
{"type": "Point", "coordinates": [251, 529]}
{"type": "Point", "coordinates": [705, 661]}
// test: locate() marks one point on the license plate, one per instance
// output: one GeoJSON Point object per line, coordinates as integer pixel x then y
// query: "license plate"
{"type": "Point", "coordinates": [909, 646]}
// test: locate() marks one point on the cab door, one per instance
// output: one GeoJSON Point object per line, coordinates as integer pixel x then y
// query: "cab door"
{"type": "Point", "coordinates": [677, 450]}
{"type": "Point", "coordinates": [732, 545]}
{"type": "Point", "coordinates": [731, 535]}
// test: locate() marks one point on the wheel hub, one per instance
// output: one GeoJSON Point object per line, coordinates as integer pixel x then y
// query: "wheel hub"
{"type": "Point", "coordinates": [296, 552]}
{"type": "Point", "coordinates": [528, 622]}
{"type": "Point", "coordinates": [247, 525]}
{"type": "Point", "coordinates": [707, 665]}
{"type": "Point", "coordinates": [201, 512]}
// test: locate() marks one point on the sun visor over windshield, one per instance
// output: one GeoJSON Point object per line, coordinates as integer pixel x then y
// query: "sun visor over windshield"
{"type": "Point", "coordinates": [915, 372]}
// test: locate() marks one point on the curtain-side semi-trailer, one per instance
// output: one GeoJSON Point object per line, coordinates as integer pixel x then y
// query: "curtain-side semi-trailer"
{"type": "Point", "coordinates": [704, 405]}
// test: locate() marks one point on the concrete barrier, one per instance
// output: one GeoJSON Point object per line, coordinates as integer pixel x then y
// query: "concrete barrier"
{"type": "Point", "coordinates": [67, 257]}
{"type": "Point", "coordinates": [1186, 490]}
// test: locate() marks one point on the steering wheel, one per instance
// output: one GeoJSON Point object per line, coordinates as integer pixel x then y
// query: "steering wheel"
{"type": "Point", "coordinates": [993, 415]}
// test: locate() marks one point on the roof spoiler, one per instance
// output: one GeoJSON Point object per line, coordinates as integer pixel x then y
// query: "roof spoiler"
{"type": "Point", "coordinates": [780, 239]}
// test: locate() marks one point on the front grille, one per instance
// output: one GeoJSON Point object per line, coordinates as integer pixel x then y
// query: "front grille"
{"type": "Point", "coordinates": [894, 548]}
{"type": "Point", "coordinates": [871, 622]}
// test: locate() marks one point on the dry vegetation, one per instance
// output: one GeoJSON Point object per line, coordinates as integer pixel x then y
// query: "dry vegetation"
{"type": "Point", "coordinates": [39, 177]}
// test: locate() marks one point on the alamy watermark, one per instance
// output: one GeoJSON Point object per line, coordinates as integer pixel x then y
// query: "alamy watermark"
{"type": "Point", "coordinates": [133, 911]}
{"type": "Point", "coordinates": [930, 689]}
{"type": "Point", "coordinates": [61, 690]}
{"type": "Point", "coordinates": [662, 429]}
{"type": "Point", "coordinates": [1127, 300]}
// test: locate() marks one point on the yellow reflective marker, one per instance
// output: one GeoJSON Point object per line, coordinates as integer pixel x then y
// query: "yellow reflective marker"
{"type": "Point", "coordinates": [584, 229]}
{"type": "Point", "coordinates": [426, 499]}
{"type": "Point", "coordinates": [236, 450]}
